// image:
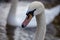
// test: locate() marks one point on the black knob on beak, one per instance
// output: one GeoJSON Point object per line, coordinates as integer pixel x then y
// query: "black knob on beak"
{"type": "Point", "coordinates": [28, 18]}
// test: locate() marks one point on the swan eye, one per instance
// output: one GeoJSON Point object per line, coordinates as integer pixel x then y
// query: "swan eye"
{"type": "Point", "coordinates": [31, 12]}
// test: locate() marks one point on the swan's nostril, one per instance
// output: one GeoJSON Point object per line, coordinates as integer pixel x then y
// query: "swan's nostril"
{"type": "Point", "coordinates": [23, 26]}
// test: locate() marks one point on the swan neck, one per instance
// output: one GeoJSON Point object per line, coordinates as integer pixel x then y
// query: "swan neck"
{"type": "Point", "coordinates": [41, 20]}
{"type": "Point", "coordinates": [41, 27]}
{"type": "Point", "coordinates": [13, 7]}
{"type": "Point", "coordinates": [12, 12]}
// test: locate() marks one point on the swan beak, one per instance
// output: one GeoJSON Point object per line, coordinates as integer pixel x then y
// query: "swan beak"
{"type": "Point", "coordinates": [27, 20]}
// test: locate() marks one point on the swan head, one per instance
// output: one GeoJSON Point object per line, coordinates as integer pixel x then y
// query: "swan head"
{"type": "Point", "coordinates": [34, 8]}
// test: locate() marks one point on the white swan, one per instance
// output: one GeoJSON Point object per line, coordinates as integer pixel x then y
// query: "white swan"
{"type": "Point", "coordinates": [15, 20]}
{"type": "Point", "coordinates": [37, 9]}
{"type": "Point", "coordinates": [17, 16]}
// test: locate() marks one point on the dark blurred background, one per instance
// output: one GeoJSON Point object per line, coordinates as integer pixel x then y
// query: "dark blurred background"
{"type": "Point", "coordinates": [48, 3]}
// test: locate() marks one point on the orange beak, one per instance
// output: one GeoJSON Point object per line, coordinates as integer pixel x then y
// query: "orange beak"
{"type": "Point", "coordinates": [27, 20]}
